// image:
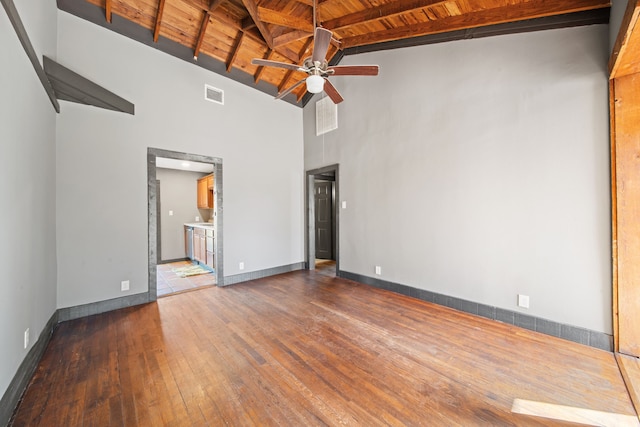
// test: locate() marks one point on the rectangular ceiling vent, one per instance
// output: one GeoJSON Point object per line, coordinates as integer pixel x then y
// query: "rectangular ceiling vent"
{"type": "Point", "coordinates": [326, 116]}
{"type": "Point", "coordinates": [213, 94]}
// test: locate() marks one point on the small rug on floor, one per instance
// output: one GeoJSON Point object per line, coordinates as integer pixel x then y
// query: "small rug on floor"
{"type": "Point", "coordinates": [191, 270]}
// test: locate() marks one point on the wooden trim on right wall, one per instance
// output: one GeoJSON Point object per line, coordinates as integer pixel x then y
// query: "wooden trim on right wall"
{"type": "Point", "coordinates": [625, 182]}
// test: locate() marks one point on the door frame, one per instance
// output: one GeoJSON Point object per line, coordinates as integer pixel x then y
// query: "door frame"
{"type": "Point", "coordinates": [310, 235]}
{"type": "Point", "coordinates": [153, 214]}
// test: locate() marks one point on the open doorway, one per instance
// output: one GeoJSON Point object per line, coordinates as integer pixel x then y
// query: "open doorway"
{"type": "Point", "coordinates": [323, 220]}
{"type": "Point", "coordinates": [172, 259]}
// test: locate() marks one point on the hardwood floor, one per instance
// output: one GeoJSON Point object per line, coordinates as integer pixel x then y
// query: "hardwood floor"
{"type": "Point", "coordinates": [305, 349]}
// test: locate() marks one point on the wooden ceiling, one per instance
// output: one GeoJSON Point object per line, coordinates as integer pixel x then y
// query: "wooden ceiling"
{"type": "Point", "coordinates": [232, 32]}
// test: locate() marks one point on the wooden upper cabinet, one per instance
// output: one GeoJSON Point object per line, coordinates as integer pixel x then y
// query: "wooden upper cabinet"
{"type": "Point", "coordinates": [205, 192]}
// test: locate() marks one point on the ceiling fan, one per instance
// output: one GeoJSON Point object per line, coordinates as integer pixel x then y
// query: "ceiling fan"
{"type": "Point", "coordinates": [318, 69]}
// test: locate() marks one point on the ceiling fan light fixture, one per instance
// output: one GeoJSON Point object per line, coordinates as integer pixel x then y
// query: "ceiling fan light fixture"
{"type": "Point", "coordinates": [315, 83]}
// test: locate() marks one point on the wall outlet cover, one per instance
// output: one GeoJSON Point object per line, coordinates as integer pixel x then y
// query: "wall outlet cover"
{"type": "Point", "coordinates": [523, 301]}
{"type": "Point", "coordinates": [241, 265]}
{"type": "Point", "coordinates": [124, 285]}
{"type": "Point", "coordinates": [26, 338]}
{"type": "Point", "coordinates": [378, 270]}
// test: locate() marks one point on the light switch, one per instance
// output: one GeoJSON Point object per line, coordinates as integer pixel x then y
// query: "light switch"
{"type": "Point", "coordinates": [344, 204]}
{"type": "Point", "coordinates": [170, 213]}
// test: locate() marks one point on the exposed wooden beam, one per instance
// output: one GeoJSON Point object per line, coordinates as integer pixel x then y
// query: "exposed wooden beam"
{"type": "Point", "coordinates": [302, 93]}
{"type": "Point", "coordinates": [252, 8]}
{"type": "Point", "coordinates": [107, 10]}
{"type": "Point", "coordinates": [305, 48]}
{"type": "Point", "coordinates": [258, 74]}
{"type": "Point", "coordinates": [234, 54]}
{"type": "Point", "coordinates": [384, 11]}
{"type": "Point", "coordinates": [278, 18]}
{"type": "Point", "coordinates": [247, 24]}
{"type": "Point", "coordinates": [203, 27]}
{"type": "Point", "coordinates": [289, 37]}
{"type": "Point", "coordinates": [499, 15]}
{"type": "Point", "coordinates": [203, 30]}
{"type": "Point", "coordinates": [21, 32]}
{"type": "Point", "coordinates": [156, 30]}
{"type": "Point", "coordinates": [286, 81]}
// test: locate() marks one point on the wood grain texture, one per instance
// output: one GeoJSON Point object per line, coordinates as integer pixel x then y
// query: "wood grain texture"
{"type": "Point", "coordinates": [285, 25]}
{"type": "Point", "coordinates": [445, 22]}
{"type": "Point", "coordinates": [306, 349]}
{"type": "Point", "coordinates": [627, 161]}
{"type": "Point", "coordinates": [630, 369]}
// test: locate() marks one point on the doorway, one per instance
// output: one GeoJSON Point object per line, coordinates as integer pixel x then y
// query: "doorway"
{"type": "Point", "coordinates": [322, 220]}
{"type": "Point", "coordinates": [154, 156]}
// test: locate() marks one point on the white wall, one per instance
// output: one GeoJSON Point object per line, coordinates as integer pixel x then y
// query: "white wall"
{"type": "Point", "coordinates": [479, 169]}
{"type": "Point", "coordinates": [102, 171]}
{"type": "Point", "coordinates": [27, 187]}
{"type": "Point", "coordinates": [178, 193]}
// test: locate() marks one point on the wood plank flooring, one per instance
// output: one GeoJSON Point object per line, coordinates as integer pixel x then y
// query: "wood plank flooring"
{"type": "Point", "coordinates": [305, 349]}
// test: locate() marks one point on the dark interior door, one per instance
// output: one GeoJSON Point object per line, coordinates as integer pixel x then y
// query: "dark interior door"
{"type": "Point", "coordinates": [324, 220]}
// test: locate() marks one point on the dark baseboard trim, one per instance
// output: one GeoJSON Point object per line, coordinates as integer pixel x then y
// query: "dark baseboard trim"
{"type": "Point", "coordinates": [253, 275]}
{"type": "Point", "coordinates": [584, 336]}
{"type": "Point", "coordinates": [98, 307]}
{"type": "Point", "coordinates": [169, 261]}
{"type": "Point", "coordinates": [21, 379]}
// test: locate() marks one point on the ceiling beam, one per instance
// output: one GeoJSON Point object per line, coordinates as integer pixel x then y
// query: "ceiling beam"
{"type": "Point", "coordinates": [247, 24]}
{"type": "Point", "coordinates": [289, 37]}
{"type": "Point", "coordinates": [156, 30]}
{"type": "Point", "coordinates": [286, 81]}
{"type": "Point", "coordinates": [384, 11]}
{"type": "Point", "coordinates": [203, 27]}
{"type": "Point", "coordinates": [499, 15]}
{"type": "Point", "coordinates": [234, 54]}
{"type": "Point", "coordinates": [203, 30]}
{"type": "Point", "coordinates": [252, 8]}
{"type": "Point", "coordinates": [258, 74]}
{"type": "Point", "coordinates": [285, 20]}
{"type": "Point", "coordinates": [107, 10]}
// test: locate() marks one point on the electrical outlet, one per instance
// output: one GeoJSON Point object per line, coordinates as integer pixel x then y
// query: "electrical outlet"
{"type": "Point", "coordinates": [241, 265]}
{"type": "Point", "coordinates": [197, 219]}
{"type": "Point", "coordinates": [26, 338]}
{"type": "Point", "coordinates": [124, 285]}
{"type": "Point", "coordinates": [344, 204]}
{"type": "Point", "coordinates": [523, 301]}
{"type": "Point", "coordinates": [378, 270]}
{"type": "Point", "coordinates": [170, 213]}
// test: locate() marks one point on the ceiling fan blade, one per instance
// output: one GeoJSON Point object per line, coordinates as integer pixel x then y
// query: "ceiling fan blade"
{"type": "Point", "coordinates": [321, 42]}
{"type": "Point", "coordinates": [354, 70]}
{"type": "Point", "coordinates": [268, 63]}
{"type": "Point", "coordinates": [291, 89]}
{"type": "Point", "coordinates": [332, 92]}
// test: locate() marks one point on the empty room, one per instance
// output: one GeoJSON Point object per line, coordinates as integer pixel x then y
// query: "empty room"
{"type": "Point", "coordinates": [320, 212]}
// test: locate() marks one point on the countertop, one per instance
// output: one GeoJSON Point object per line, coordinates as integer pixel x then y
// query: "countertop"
{"type": "Point", "coordinates": [207, 225]}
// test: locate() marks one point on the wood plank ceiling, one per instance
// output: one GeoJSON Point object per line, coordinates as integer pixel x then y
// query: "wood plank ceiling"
{"type": "Point", "coordinates": [235, 31]}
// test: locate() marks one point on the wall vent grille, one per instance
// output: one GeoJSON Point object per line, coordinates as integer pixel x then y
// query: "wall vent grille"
{"type": "Point", "coordinates": [326, 116]}
{"type": "Point", "coordinates": [213, 94]}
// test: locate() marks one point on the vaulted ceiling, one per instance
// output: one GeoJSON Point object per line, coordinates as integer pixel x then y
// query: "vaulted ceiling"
{"type": "Point", "coordinates": [225, 35]}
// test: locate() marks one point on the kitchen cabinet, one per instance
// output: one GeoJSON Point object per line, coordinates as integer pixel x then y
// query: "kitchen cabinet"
{"type": "Point", "coordinates": [205, 192]}
{"type": "Point", "coordinates": [199, 245]}
{"type": "Point", "coordinates": [209, 248]}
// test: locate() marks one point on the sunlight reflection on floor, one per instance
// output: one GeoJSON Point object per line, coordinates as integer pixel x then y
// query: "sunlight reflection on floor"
{"type": "Point", "coordinates": [571, 414]}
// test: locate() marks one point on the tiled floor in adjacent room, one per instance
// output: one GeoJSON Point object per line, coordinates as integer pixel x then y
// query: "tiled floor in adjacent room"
{"type": "Point", "coordinates": [169, 282]}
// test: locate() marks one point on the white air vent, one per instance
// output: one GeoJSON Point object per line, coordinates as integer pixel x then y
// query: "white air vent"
{"type": "Point", "coordinates": [326, 116]}
{"type": "Point", "coordinates": [214, 94]}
